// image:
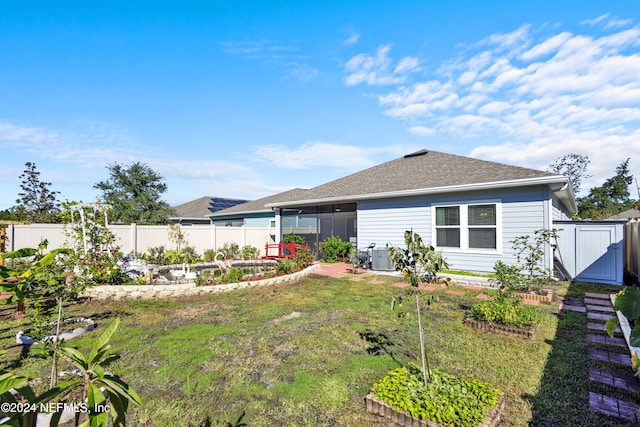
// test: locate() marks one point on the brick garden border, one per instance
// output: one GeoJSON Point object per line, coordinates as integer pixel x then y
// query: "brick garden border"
{"type": "Point", "coordinates": [476, 282]}
{"type": "Point", "coordinates": [404, 419]}
{"type": "Point", "coordinates": [527, 332]}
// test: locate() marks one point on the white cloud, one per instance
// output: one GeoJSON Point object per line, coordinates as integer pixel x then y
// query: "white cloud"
{"type": "Point", "coordinates": [281, 54]}
{"type": "Point", "coordinates": [595, 21]}
{"type": "Point", "coordinates": [422, 131]}
{"type": "Point", "coordinates": [608, 21]}
{"type": "Point", "coordinates": [316, 153]}
{"type": "Point", "coordinates": [377, 69]}
{"type": "Point", "coordinates": [535, 94]}
{"type": "Point", "coordinates": [352, 38]}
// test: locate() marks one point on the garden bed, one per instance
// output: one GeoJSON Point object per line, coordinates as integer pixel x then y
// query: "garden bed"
{"type": "Point", "coordinates": [404, 419]}
{"type": "Point", "coordinates": [118, 292]}
{"type": "Point", "coordinates": [527, 332]}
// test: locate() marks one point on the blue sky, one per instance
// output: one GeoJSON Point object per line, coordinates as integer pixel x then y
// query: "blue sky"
{"type": "Point", "coordinates": [246, 99]}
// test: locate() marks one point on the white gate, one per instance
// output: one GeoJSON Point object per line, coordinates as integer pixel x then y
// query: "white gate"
{"type": "Point", "coordinates": [592, 251]}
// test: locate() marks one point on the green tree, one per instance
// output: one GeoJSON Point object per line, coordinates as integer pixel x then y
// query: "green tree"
{"type": "Point", "coordinates": [610, 198]}
{"type": "Point", "coordinates": [37, 202]}
{"type": "Point", "coordinates": [8, 215]}
{"type": "Point", "coordinates": [135, 193]}
{"type": "Point", "coordinates": [419, 263]}
{"type": "Point", "coordinates": [574, 166]}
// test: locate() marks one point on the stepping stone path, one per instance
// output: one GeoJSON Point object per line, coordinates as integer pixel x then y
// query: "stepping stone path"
{"type": "Point", "coordinates": [598, 309]}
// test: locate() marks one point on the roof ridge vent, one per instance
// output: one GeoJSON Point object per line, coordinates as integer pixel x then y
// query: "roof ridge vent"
{"type": "Point", "coordinates": [417, 153]}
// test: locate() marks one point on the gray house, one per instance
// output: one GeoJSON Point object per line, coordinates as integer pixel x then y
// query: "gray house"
{"type": "Point", "coordinates": [470, 209]}
{"type": "Point", "coordinates": [254, 213]}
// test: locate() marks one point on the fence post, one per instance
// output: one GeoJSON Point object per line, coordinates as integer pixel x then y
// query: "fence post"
{"type": "Point", "coordinates": [3, 237]}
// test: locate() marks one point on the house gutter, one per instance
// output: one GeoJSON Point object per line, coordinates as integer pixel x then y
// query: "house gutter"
{"type": "Point", "coordinates": [558, 184]}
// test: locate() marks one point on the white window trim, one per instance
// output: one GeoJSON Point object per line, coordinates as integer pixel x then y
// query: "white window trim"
{"type": "Point", "coordinates": [464, 226]}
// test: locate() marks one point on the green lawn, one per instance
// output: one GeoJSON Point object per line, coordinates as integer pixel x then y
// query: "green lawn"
{"type": "Point", "coordinates": [306, 354]}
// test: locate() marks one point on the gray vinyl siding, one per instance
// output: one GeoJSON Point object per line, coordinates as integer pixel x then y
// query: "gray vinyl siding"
{"type": "Point", "coordinates": [559, 212]}
{"type": "Point", "coordinates": [524, 210]}
{"type": "Point", "coordinates": [385, 221]}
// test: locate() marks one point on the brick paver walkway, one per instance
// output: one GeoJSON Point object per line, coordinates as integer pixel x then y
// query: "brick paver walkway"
{"type": "Point", "coordinates": [598, 310]}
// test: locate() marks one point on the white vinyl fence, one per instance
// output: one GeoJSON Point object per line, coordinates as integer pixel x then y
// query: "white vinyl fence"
{"type": "Point", "coordinates": [139, 238]}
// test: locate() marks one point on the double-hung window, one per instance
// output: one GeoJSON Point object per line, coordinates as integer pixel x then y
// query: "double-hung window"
{"type": "Point", "coordinates": [469, 226]}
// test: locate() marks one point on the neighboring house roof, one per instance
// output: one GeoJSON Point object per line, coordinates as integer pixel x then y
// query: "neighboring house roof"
{"type": "Point", "coordinates": [259, 206]}
{"type": "Point", "coordinates": [429, 172]}
{"type": "Point", "coordinates": [628, 214]}
{"type": "Point", "coordinates": [200, 209]}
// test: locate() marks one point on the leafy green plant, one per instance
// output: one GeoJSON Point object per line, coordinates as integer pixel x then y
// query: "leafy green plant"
{"type": "Point", "coordinates": [334, 247]}
{"type": "Point", "coordinates": [418, 263]}
{"type": "Point", "coordinates": [303, 258]}
{"type": "Point", "coordinates": [510, 278]}
{"type": "Point", "coordinates": [234, 275]}
{"type": "Point", "coordinates": [627, 302]}
{"type": "Point", "coordinates": [447, 400]}
{"type": "Point", "coordinates": [250, 252]}
{"type": "Point", "coordinates": [506, 310]}
{"type": "Point", "coordinates": [530, 250]}
{"type": "Point", "coordinates": [187, 254]}
{"type": "Point", "coordinates": [209, 255]}
{"type": "Point", "coordinates": [85, 388]}
{"type": "Point", "coordinates": [285, 266]}
{"type": "Point", "coordinates": [231, 250]}
{"type": "Point", "coordinates": [178, 236]}
{"type": "Point", "coordinates": [293, 238]}
{"type": "Point", "coordinates": [156, 255]}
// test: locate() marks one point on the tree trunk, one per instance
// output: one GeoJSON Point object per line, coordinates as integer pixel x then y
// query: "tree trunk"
{"type": "Point", "coordinates": [423, 352]}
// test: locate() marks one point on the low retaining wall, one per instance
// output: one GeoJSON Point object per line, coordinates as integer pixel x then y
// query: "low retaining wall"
{"type": "Point", "coordinates": [404, 419]}
{"type": "Point", "coordinates": [182, 290]}
{"type": "Point", "coordinates": [475, 281]}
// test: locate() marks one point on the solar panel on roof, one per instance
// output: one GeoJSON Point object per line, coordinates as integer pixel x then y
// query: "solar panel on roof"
{"type": "Point", "coordinates": [218, 203]}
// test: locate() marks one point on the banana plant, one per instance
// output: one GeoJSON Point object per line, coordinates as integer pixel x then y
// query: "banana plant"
{"type": "Point", "coordinates": [87, 387]}
{"type": "Point", "coordinates": [627, 302]}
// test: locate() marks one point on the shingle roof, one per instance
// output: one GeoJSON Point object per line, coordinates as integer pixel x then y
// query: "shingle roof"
{"type": "Point", "coordinates": [628, 214]}
{"type": "Point", "coordinates": [258, 206]}
{"type": "Point", "coordinates": [422, 170]}
{"type": "Point", "coordinates": [203, 207]}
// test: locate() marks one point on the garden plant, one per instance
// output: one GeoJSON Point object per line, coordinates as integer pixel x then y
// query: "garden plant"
{"type": "Point", "coordinates": [427, 393]}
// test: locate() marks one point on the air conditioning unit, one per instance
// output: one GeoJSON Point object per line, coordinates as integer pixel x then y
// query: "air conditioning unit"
{"type": "Point", "coordinates": [380, 260]}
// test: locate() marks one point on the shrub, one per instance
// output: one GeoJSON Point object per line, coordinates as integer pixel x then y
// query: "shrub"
{"type": "Point", "coordinates": [531, 250]}
{"type": "Point", "coordinates": [285, 266]}
{"type": "Point", "coordinates": [231, 250]}
{"type": "Point", "coordinates": [250, 252]}
{"type": "Point", "coordinates": [234, 275]}
{"type": "Point", "coordinates": [209, 255]}
{"type": "Point", "coordinates": [510, 278]}
{"type": "Point", "coordinates": [187, 255]}
{"type": "Point", "coordinates": [156, 255]}
{"type": "Point", "coordinates": [334, 247]}
{"type": "Point", "coordinates": [293, 238]}
{"type": "Point", "coordinates": [303, 259]}
{"type": "Point", "coordinates": [447, 400]}
{"type": "Point", "coordinates": [506, 310]}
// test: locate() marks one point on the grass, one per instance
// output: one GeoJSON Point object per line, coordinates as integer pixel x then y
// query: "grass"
{"type": "Point", "coordinates": [219, 356]}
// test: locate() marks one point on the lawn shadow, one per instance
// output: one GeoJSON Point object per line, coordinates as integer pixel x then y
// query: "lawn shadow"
{"type": "Point", "coordinates": [380, 344]}
{"type": "Point", "coordinates": [563, 395]}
